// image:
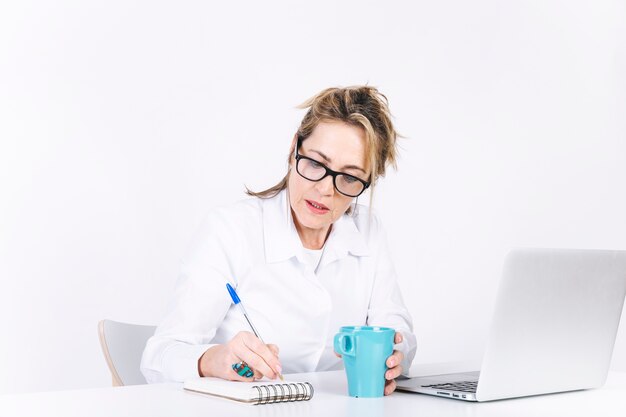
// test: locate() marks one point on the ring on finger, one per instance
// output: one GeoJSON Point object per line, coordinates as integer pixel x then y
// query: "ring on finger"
{"type": "Point", "coordinates": [243, 369]}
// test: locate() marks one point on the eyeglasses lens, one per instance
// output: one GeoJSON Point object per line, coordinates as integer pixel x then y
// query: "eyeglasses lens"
{"type": "Point", "coordinates": [314, 171]}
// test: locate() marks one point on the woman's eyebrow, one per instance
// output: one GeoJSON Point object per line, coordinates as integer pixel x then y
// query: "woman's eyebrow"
{"type": "Point", "coordinates": [327, 159]}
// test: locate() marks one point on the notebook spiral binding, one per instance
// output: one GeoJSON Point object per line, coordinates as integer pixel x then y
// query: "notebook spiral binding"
{"type": "Point", "coordinates": [268, 394]}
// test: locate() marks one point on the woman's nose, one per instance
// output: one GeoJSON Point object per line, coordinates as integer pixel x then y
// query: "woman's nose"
{"type": "Point", "coordinates": [326, 186]}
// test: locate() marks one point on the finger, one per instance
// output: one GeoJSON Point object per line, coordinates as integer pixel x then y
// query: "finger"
{"type": "Point", "coordinates": [242, 369]}
{"type": "Point", "coordinates": [263, 351]}
{"type": "Point", "coordinates": [254, 360]}
{"type": "Point", "coordinates": [390, 387]}
{"type": "Point", "coordinates": [393, 373]}
{"type": "Point", "coordinates": [232, 374]}
{"type": "Point", "coordinates": [337, 355]}
{"type": "Point", "coordinates": [395, 359]}
{"type": "Point", "coordinates": [273, 348]}
{"type": "Point", "coordinates": [398, 338]}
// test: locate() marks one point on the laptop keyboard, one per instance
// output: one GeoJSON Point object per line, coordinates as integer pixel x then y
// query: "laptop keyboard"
{"type": "Point", "coordinates": [464, 386]}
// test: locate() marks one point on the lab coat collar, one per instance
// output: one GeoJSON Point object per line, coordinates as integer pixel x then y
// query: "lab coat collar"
{"type": "Point", "coordinates": [282, 241]}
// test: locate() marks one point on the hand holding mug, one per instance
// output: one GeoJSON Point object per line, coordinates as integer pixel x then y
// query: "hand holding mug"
{"type": "Point", "coordinates": [394, 365]}
{"type": "Point", "coordinates": [367, 351]}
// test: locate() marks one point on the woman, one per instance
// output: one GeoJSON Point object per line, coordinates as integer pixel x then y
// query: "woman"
{"type": "Point", "coordinates": [303, 256]}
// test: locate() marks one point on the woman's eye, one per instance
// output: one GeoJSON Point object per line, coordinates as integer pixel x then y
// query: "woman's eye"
{"type": "Point", "coordinates": [315, 164]}
{"type": "Point", "coordinates": [349, 180]}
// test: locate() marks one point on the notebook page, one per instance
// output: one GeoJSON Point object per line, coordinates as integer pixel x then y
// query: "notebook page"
{"type": "Point", "coordinates": [217, 386]}
{"type": "Point", "coordinates": [262, 391]}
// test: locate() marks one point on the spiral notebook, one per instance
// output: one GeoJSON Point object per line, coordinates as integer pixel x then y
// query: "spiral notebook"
{"type": "Point", "coordinates": [258, 392]}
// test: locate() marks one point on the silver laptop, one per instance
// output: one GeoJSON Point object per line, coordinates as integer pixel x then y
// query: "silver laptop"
{"type": "Point", "coordinates": [554, 327]}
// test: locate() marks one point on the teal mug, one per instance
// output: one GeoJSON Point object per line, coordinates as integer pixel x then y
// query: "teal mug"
{"type": "Point", "coordinates": [365, 350]}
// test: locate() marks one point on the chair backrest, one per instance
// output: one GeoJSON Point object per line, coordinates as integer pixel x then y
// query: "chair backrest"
{"type": "Point", "coordinates": [123, 345]}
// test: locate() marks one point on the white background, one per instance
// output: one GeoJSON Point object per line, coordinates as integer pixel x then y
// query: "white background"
{"type": "Point", "coordinates": [123, 122]}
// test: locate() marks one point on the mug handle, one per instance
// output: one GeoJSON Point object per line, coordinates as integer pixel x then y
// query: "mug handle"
{"type": "Point", "coordinates": [345, 344]}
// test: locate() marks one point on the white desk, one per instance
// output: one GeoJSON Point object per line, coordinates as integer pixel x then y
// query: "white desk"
{"type": "Point", "coordinates": [330, 400]}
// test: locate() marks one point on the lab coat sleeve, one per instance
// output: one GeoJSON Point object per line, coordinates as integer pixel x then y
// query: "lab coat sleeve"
{"type": "Point", "coordinates": [386, 307]}
{"type": "Point", "coordinates": [199, 305]}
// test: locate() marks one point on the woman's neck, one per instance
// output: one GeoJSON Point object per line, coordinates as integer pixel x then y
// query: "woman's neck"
{"type": "Point", "coordinates": [311, 238]}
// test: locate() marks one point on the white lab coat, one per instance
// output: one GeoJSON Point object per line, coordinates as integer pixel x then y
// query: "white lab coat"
{"type": "Point", "coordinates": [254, 246]}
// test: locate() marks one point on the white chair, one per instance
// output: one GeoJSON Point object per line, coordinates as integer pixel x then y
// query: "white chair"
{"type": "Point", "coordinates": [122, 345]}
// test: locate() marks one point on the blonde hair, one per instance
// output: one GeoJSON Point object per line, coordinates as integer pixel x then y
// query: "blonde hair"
{"type": "Point", "coordinates": [360, 106]}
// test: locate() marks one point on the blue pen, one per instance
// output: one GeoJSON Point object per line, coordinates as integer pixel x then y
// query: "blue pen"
{"type": "Point", "coordinates": [237, 301]}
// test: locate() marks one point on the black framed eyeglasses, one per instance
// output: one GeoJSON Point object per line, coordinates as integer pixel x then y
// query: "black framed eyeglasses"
{"type": "Point", "coordinates": [313, 170]}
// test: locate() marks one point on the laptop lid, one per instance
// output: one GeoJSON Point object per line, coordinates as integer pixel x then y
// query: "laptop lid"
{"type": "Point", "coordinates": [555, 322]}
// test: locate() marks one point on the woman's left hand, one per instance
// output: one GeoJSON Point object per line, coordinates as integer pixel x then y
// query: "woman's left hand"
{"type": "Point", "coordinates": [395, 369]}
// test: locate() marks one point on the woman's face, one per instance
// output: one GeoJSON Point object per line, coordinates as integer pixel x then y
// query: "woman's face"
{"type": "Point", "coordinates": [317, 205]}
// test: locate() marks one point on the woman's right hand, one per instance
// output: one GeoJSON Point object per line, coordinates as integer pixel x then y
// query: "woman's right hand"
{"type": "Point", "coordinates": [218, 360]}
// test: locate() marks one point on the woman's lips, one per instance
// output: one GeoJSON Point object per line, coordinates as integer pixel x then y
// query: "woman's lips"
{"type": "Point", "coordinates": [317, 208]}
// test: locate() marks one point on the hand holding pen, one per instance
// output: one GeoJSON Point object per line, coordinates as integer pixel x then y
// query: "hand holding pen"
{"type": "Point", "coordinates": [243, 358]}
{"type": "Point", "coordinates": [243, 364]}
